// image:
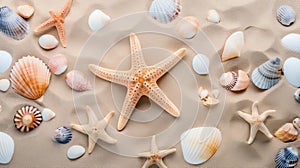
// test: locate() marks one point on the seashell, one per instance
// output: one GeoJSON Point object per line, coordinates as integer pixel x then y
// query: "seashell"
{"type": "Point", "coordinates": [286, 15]}
{"type": "Point", "coordinates": [27, 118]}
{"type": "Point", "coordinates": [5, 61]}
{"type": "Point", "coordinates": [297, 95]}
{"type": "Point", "coordinates": [235, 82]}
{"type": "Point", "coordinates": [78, 81]}
{"type": "Point", "coordinates": [58, 64]}
{"type": "Point", "coordinates": [200, 144]}
{"type": "Point", "coordinates": [287, 133]}
{"type": "Point", "coordinates": [291, 70]}
{"type": "Point", "coordinates": [25, 11]}
{"type": "Point", "coordinates": [62, 135]}
{"type": "Point", "coordinates": [12, 25]}
{"type": "Point", "coordinates": [233, 46]}
{"type": "Point", "coordinates": [98, 19]}
{"type": "Point", "coordinates": [165, 11]}
{"type": "Point", "coordinates": [75, 152]}
{"type": "Point", "coordinates": [268, 74]}
{"type": "Point", "coordinates": [213, 16]}
{"type": "Point", "coordinates": [7, 148]}
{"type": "Point", "coordinates": [292, 42]}
{"type": "Point", "coordinates": [48, 114]}
{"type": "Point", "coordinates": [4, 85]}
{"type": "Point", "coordinates": [48, 42]}
{"type": "Point", "coordinates": [205, 98]}
{"type": "Point", "coordinates": [286, 158]}
{"type": "Point", "coordinates": [201, 64]}
{"type": "Point", "coordinates": [188, 27]}
{"type": "Point", "coordinates": [30, 77]}
{"type": "Point", "coordinates": [203, 93]}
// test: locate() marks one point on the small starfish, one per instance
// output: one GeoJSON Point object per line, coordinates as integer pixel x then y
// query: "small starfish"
{"type": "Point", "coordinates": [256, 122]}
{"type": "Point", "coordinates": [155, 156]}
{"type": "Point", "coordinates": [95, 129]}
{"type": "Point", "coordinates": [57, 20]}
{"type": "Point", "coordinates": [140, 80]}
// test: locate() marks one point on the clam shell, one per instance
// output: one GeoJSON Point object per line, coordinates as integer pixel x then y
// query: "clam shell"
{"type": "Point", "coordinates": [286, 15]}
{"type": "Point", "coordinates": [48, 114]}
{"type": "Point", "coordinates": [5, 61]}
{"type": "Point", "coordinates": [48, 42]}
{"type": "Point", "coordinates": [7, 147]}
{"type": "Point", "coordinates": [75, 152]}
{"type": "Point", "coordinates": [291, 70]}
{"type": "Point", "coordinates": [30, 77]}
{"type": "Point", "coordinates": [12, 25]}
{"type": "Point", "coordinates": [287, 133]}
{"type": "Point", "coordinates": [292, 42]}
{"type": "Point", "coordinates": [25, 11]}
{"type": "Point", "coordinates": [78, 81]}
{"type": "Point", "coordinates": [297, 95]}
{"type": "Point", "coordinates": [242, 82]}
{"type": "Point", "coordinates": [213, 16]}
{"type": "Point", "coordinates": [62, 135]}
{"type": "Point", "coordinates": [201, 64]}
{"type": "Point", "coordinates": [98, 19]}
{"type": "Point", "coordinates": [233, 46]}
{"type": "Point", "coordinates": [228, 80]}
{"type": "Point", "coordinates": [286, 158]}
{"type": "Point", "coordinates": [268, 74]}
{"type": "Point", "coordinates": [4, 85]}
{"type": "Point", "coordinates": [188, 27]}
{"type": "Point", "coordinates": [165, 11]}
{"type": "Point", "coordinates": [200, 144]}
{"type": "Point", "coordinates": [27, 118]}
{"type": "Point", "coordinates": [58, 64]}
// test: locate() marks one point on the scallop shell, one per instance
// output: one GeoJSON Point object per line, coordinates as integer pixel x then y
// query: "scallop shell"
{"type": "Point", "coordinates": [58, 64]}
{"type": "Point", "coordinates": [48, 42]}
{"type": "Point", "coordinates": [30, 77]}
{"type": "Point", "coordinates": [286, 15]}
{"type": "Point", "coordinates": [165, 11]}
{"type": "Point", "coordinates": [268, 74]}
{"type": "Point", "coordinates": [98, 19]}
{"type": "Point", "coordinates": [5, 61]}
{"type": "Point", "coordinates": [287, 133]}
{"type": "Point", "coordinates": [233, 46]}
{"type": "Point", "coordinates": [7, 147]}
{"type": "Point", "coordinates": [292, 42]}
{"type": "Point", "coordinates": [297, 95]}
{"type": "Point", "coordinates": [213, 16]}
{"type": "Point", "coordinates": [201, 64]}
{"type": "Point", "coordinates": [75, 152]}
{"type": "Point", "coordinates": [188, 27]}
{"type": "Point", "coordinates": [48, 114]}
{"type": "Point", "coordinates": [78, 81]}
{"type": "Point", "coordinates": [286, 158]}
{"type": "Point", "coordinates": [200, 144]}
{"type": "Point", "coordinates": [291, 70]}
{"type": "Point", "coordinates": [25, 11]}
{"type": "Point", "coordinates": [62, 135]}
{"type": "Point", "coordinates": [4, 85]}
{"type": "Point", "coordinates": [12, 25]}
{"type": "Point", "coordinates": [235, 82]}
{"type": "Point", "coordinates": [27, 118]}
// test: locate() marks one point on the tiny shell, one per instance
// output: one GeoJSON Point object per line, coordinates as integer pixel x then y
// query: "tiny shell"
{"type": "Point", "coordinates": [235, 82]}
{"type": "Point", "coordinates": [48, 114]}
{"type": "Point", "coordinates": [286, 158]}
{"type": "Point", "coordinates": [188, 27]}
{"type": "Point", "coordinates": [292, 42]}
{"type": "Point", "coordinates": [203, 93]}
{"type": "Point", "coordinates": [62, 135]}
{"type": "Point", "coordinates": [291, 70]}
{"type": "Point", "coordinates": [4, 85]}
{"type": "Point", "coordinates": [5, 61]}
{"type": "Point", "coordinates": [78, 81]}
{"type": "Point", "coordinates": [75, 152]}
{"type": "Point", "coordinates": [27, 118]}
{"type": "Point", "coordinates": [286, 15]}
{"type": "Point", "coordinates": [7, 148]}
{"type": "Point", "coordinates": [58, 64]}
{"type": "Point", "coordinates": [165, 11]}
{"type": "Point", "coordinates": [25, 11]}
{"type": "Point", "coordinates": [213, 16]}
{"type": "Point", "coordinates": [201, 64]}
{"type": "Point", "coordinates": [297, 95]}
{"type": "Point", "coordinates": [206, 99]}
{"type": "Point", "coordinates": [48, 42]}
{"type": "Point", "coordinates": [98, 19]}
{"type": "Point", "coordinates": [216, 93]}
{"type": "Point", "coordinates": [233, 46]}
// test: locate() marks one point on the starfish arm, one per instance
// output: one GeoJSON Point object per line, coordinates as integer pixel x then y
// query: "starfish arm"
{"type": "Point", "coordinates": [78, 128]}
{"type": "Point", "coordinates": [91, 146]}
{"type": "Point", "coordinates": [145, 154]}
{"type": "Point", "coordinates": [164, 153]}
{"type": "Point", "coordinates": [154, 148]}
{"type": "Point", "coordinates": [91, 116]}
{"type": "Point", "coordinates": [147, 164]}
{"type": "Point", "coordinates": [47, 24]}
{"type": "Point", "coordinates": [253, 131]}
{"type": "Point", "coordinates": [161, 164]}
{"type": "Point", "coordinates": [137, 60]}
{"type": "Point", "coordinates": [66, 9]}
{"type": "Point", "coordinates": [61, 33]}
{"type": "Point", "coordinates": [265, 130]}
{"type": "Point", "coordinates": [265, 114]}
{"type": "Point", "coordinates": [106, 138]}
{"type": "Point", "coordinates": [255, 108]}
{"type": "Point", "coordinates": [245, 116]}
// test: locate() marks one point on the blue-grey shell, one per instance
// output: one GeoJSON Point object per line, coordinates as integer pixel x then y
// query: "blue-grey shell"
{"type": "Point", "coordinates": [286, 15]}
{"type": "Point", "coordinates": [62, 135]}
{"type": "Point", "coordinates": [297, 95]}
{"type": "Point", "coordinates": [286, 158]}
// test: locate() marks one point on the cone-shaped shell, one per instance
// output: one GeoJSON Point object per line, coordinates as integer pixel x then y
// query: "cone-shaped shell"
{"type": "Point", "coordinates": [7, 147]}
{"type": "Point", "coordinates": [62, 135]}
{"type": "Point", "coordinates": [287, 133]}
{"type": "Point", "coordinates": [27, 118]}
{"type": "Point", "coordinates": [286, 15]}
{"type": "Point", "coordinates": [165, 11]}
{"type": "Point", "coordinates": [235, 82]}
{"type": "Point", "coordinates": [233, 46]}
{"type": "Point", "coordinates": [286, 158]}
{"type": "Point", "coordinates": [199, 144]}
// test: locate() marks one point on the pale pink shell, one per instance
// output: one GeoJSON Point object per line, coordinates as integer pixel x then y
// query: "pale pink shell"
{"type": "Point", "coordinates": [78, 81]}
{"type": "Point", "coordinates": [58, 64]}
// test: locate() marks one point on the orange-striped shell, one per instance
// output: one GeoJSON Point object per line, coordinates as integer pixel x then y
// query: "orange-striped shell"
{"type": "Point", "coordinates": [27, 118]}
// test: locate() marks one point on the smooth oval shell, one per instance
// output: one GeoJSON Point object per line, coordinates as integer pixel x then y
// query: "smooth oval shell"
{"type": "Point", "coordinates": [78, 81]}
{"type": "Point", "coordinates": [188, 27]}
{"type": "Point", "coordinates": [62, 135]}
{"type": "Point", "coordinates": [48, 114]}
{"type": "Point", "coordinates": [287, 133]}
{"type": "Point", "coordinates": [98, 19]}
{"type": "Point", "coordinates": [291, 70]}
{"type": "Point", "coordinates": [58, 64]}
{"type": "Point", "coordinates": [165, 11]}
{"type": "Point", "coordinates": [7, 148]}
{"type": "Point", "coordinates": [4, 85]}
{"type": "Point", "coordinates": [201, 64]}
{"type": "Point", "coordinates": [75, 152]}
{"type": "Point", "coordinates": [297, 95]}
{"type": "Point", "coordinates": [286, 15]}
{"type": "Point", "coordinates": [286, 158]}
{"type": "Point", "coordinates": [292, 42]}
{"type": "Point", "coordinates": [213, 16]}
{"type": "Point", "coordinates": [5, 61]}
{"type": "Point", "coordinates": [27, 118]}
{"type": "Point", "coordinates": [200, 144]}
{"type": "Point", "coordinates": [25, 11]}
{"type": "Point", "coordinates": [48, 42]}
{"type": "Point", "coordinates": [233, 46]}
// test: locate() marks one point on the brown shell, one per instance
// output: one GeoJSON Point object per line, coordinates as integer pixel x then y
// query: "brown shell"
{"type": "Point", "coordinates": [27, 118]}
{"type": "Point", "coordinates": [287, 133]}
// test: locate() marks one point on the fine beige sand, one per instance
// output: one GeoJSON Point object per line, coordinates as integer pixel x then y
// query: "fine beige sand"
{"type": "Point", "coordinates": [110, 48]}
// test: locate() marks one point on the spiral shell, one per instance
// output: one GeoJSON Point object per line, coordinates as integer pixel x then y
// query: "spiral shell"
{"type": "Point", "coordinates": [27, 118]}
{"type": "Point", "coordinates": [235, 82]}
{"type": "Point", "coordinates": [7, 148]}
{"type": "Point", "coordinates": [165, 11]}
{"type": "Point", "coordinates": [286, 158]}
{"type": "Point", "coordinates": [62, 135]}
{"type": "Point", "coordinates": [286, 15]}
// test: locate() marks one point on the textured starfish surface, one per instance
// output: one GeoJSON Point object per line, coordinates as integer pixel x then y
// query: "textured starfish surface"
{"type": "Point", "coordinates": [155, 156]}
{"type": "Point", "coordinates": [95, 129]}
{"type": "Point", "coordinates": [57, 20]}
{"type": "Point", "coordinates": [256, 122]}
{"type": "Point", "coordinates": [140, 80]}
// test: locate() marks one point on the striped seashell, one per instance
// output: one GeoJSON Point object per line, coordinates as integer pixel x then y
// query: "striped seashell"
{"type": "Point", "coordinates": [27, 118]}
{"type": "Point", "coordinates": [286, 158]}
{"type": "Point", "coordinates": [201, 64]}
{"type": "Point", "coordinates": [7, 148]}
{"type": "Point", "coordinates": [165, 11]}
{"type": "Point", "coordinates": [233, 46]}
{"type": "Point", "coordinates": [286, 15]}
{"type": "Point", "coordinates": [235, 82]}
{"type": "Point", "coordinates": [62, 135]}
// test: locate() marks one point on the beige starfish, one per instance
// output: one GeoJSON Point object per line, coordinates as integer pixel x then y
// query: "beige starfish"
{"type": "Point", "coordinates": [155, 156]}
{"type": "Point", "coordinates": [141, 80]}
{"type": "Point", "coordinates": [256, 122]}
{"type": "Point", "coordinates": [57, 20]}
{"type": "Point", "coordinates": [95, 129]}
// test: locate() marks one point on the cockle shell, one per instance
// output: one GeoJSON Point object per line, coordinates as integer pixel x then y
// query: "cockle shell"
{"type": "Point", "coordinates": [201, 64]}
{"type": "Point", "coordinates": [78, 81]}
{"type": "Point", "coordinates": [30, 77]}
{"type": "Point", "coordinates": [165, 11]}
{"type": "Point", "coordinates": [297, 95]}
{"type": "Point", "coordinates": [48, 114]}
{"type": "Point", "coordinates": [292, 42]}
{"type": "Point", "coordinates": [25, 11]}
{"type": "Point", "coordinates": [12, 25]}
{"type": "Point", "coordinates": [291, 70]}
{"type": "Point", "coordinates": [5, 61]}
{"type": "Point", "coordinates": [188, 27]}
{"type": "Point", "coordinates": [58, 64]}
{"type": "Point", "coordinates": [213, 16]}
{"type": "Point", "coordinates": [4, 85]}
{"type": "Point", "coordinates": [235, 82]}
{"type": "Point", "coordinates": [286, 158]}
{"type": "Point", "coordinates": [48, 42]}
{"type": "Point", "coordinates": [75, 152]}
{"type": "Point", "coordinates": [286, 15]}
{"type": "Point", "coordinates": [200, 144]}
{"type": "Point", "coordinates": [233, 46]}
{"type": "Point", "coordinates": [287, 133]}
{"type": "Point", "coordinates": [268, 74]}
{"type": "Point", "coordinates": [7, 148]}
{"type": "Point", "coordinates": [98, 19]}
{"type": "Point", "coordinates": [27, 118]}
{"type": "Point", "coordinates": [62, 135]}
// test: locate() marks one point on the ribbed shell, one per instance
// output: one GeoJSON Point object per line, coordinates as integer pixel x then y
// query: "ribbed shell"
{"type": "Point", "coordinates": [165, 11]}
{"type": "Point", "coordinates": [286, 15]}
{"type": "Point", "coordinates": [286, 158]}
{"type": "Point", "coordinates": [228, 80]}
{"type": "Point", "coordinates": [287, 133]}
{"type": "Point", "coordinates": [7, 147]}
{"type": "Point", "coordinates": [30, 77]}
{"type": "Point", "coordinates": [13, 25]}
{"type": "Point", "coordinates": [62, 135]}
{"type": "Point", "coordinates": [27, 118]}
{"type": "Point", "coordinates": [201, 64]}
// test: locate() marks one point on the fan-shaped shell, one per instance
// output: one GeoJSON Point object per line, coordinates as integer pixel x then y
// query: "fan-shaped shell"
{"type": "Point", "coordinates": [291, 70]}
{"type": "Point", "coordinates": [287, 133]}
{"type": "Point", "coordinates": [30, 77]}
{"type": "Point", "coordinates": [62, 135]}
{"type": "Point", "coordinates": [201, 64]}
{"type": "Point", "coordinates": [78, 81]}
{"type": "Point", "coordinates": [188, 27]}
{"type": "Point", "coordinates": [292, 42]}
{"type": "Point", "coordinates": [286, 158]}
{"type": "Point", "coordinates": [199, 144]}
{"type": "Point", "coordinates": [165, 11]}
{"type": "Point", "coordinates": [7, 147]}
{"type": "Point", "coordinates": [58, 64]}
{"type": "Point", "coordinates": [27, 118]}
{"type": "Point", "coordinates": [297, 95]}
{"type": "Point", "coordinates": [235, 82]}
{"type": "Point", "coordinates": [286, 15]}
{"type": "Point", "coordinates": [268, 74]}
{"type": "Point", "coordinates": [233, 46]}
{"type": "Point", "coordinates": [13, 25]}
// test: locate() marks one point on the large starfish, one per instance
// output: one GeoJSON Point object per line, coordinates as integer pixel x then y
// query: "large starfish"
{"type": "Point", "coordinates": [95, 129]}
{"type": "Point", "coordinates": [256, 122]}
{"type": "Point", "coordinates": [57, 20]}
{"type": "Point", "coordinates": [155, 156]}
{"type": "Point", "coordinates": [141, 80]}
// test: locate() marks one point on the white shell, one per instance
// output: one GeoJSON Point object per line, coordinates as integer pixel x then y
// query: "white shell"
{"type": "Point", "coordinates": [286, 15]}
{"type": "Point", "coordinates": [188, 27]}
{"type": "Point", "coordinates": [25, 11]}
{"type": "Point", "coordinates": [165, 11]}
{"type": "Point", "coordinates": [7, 148]}
{"type": "Point", "coordinates": [201, 64]}
{"type": "Point", "coordinates": [200, 144]}
{"type": "Point", "coordinates": [98, 19]}
{"type": "Point", "coordinates": [78, 81]}
{"type": "Point", "coordinates": [292, 42]}
{"type": "Point", "coordinates": [48, 114]}
{"type": "Point", "coordinates": [213, 16]}
{"type": "Point", "coordinates": [48, 42]}
{"type": "Point", "coordinates": [4, 85]}
{"type": "Point", "coordinates": [75, 152]}
{"type": "Point", "coordinates": [203, 93]}
{"type": "Point", "coordinates": [5, 61]}
{"type": "Point", "coordinates": [291, 70]}
{"type": "Point", "coordinates": [58, 64]}
{"type": "Point", "coordinates": [297, 95]}
{"type": "Point", "coordinates": [233, 46]}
